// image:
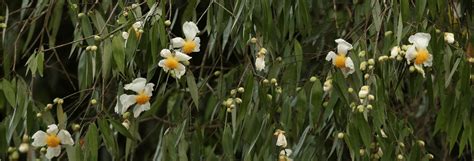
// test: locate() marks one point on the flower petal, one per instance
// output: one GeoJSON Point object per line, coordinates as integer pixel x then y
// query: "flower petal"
{"type": "Point", "coordinates": [260, 63]}
{"type": "Point", "coordinates": [181, 56]}
{"type": "Point", "coordinates": [137, 85]}
{"type": "Point", "coordinates": [197, 41]}
{"type": "Point", "coordinates": [394, 52]}
{"type": "Point", "coordinates": [53, 152]}
{"type": "Point", "coordinates": [190, 30]}
{"type": "Point", "coordinates": [125, 35]}
{"type": "Point", "coordinates": [180, 70]}
{"type": "Point", "coordinates": [411, 53]}
{"type": "Point", "coordinates": [165, 53]}
{"type": "Point", "coordinates": [281, 141]}
{"type": "Point", "coordinates": [331, 55]}
{"type": "Point", "coordinates": [149, 89]}
{"type": "Point", "coordinates": [39, 139]}
{"type": "Point", "coordinates": [177, 42]}
{"type": "Point", "coordinates": [343, 46]}
{"type": "Point", "coordinates": [138, 109]}
{"type": "Point", "coordinates": [429, 62]}
{"type": "Point", "coordinates": [419, 68]}
{"type": "Point", "coordinates": [161, 64]}
{"type": "Point", "coordinates": [350, 65]}
{"type": "Point", "coordinates": [125, 101]}
{"type": "Point", "coordinates": [137, 25]}
{"type": "Point", "coordinates": [420, 40]}
{"type": "Point", "coordinates": [52, 129]}
{"type": "Point", "coordinates": [65, 137]}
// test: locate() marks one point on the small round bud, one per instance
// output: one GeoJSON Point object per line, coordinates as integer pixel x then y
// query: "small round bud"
{"type": "Point", "coordinates": [369, 107]}
{"type": "Point", "coordinates": [340, 135]}
{"type": "Point", "coordinates": [430, 156]}
{"type": "Point", "coordinates": [278, 59]}
{"type": "Point", "coordinates": [471, 60]}
{"type": "Point", "coordinates": [362, 152]}
{"type": "Point", "coordinates": [313, 79]}
{"type": "Point", "coordinates": [126, 115]}
{"type": "Point", "coordinates": [93, 101]}
{"type": "Point", "coordinates": [325, 104]}
{"type": "Point", "coordinates": [140, 31]}
{"type": "Point", "coordinates": [134, 5]}
{"type": "Point", "coordinates": [125, 13]}
{"type": "Point", "coordinates": [80, 15]}
{"type": "Point", "coordinates": [3, 25]}
{"type": "Point", "coordinates": [265, 81]}
{"type": "Point", "coordinates": [233, 92]}
{"type": "Point", "coordinates": [263, 50]}
{"type": "Point", "coordinates": [76, 127]}
{"type": "Point", "coordinates": [421, 143]}
{"type": "Point", "coordinates": [43, 150]}
{"type": "Point", "coordinates": [400, 157]}
{"type": "Point", "coordinates": [253, 40]}
{"type": "Point", "coordinates": [49, 106]}
{"type": "Point", "coordinates": [366, 76]}
{"type": "Point", "coordinates": [74, 6]}
{"type": "Point", "coordinates": [25, 138]}
{"type": "Point", "coordinates": [126, 124]}
{"type": "Point", "coordinates": [363, 65]}
{"type": "Point", "coordinates": [273, 81]}
{"type": "Point", "coordinates": [388, 33]}
{"type": "Point", "coordinates": [217, 73]}
{"type": "Point", "coordinates": [412, 69]}
{"type": "Point", "coordinates": [371, 67]}
{"type": "Point", "coordinates": [269, 96]}
{"type": "Point", "coordinates": [278, 90]}
{"type": "Point", "coordinates": [298, 89]}
{"type": "Point", "coordinates": [88, 48]}
{"type": "Point", "coordinates": [93, 48]}
{"type": "Point", "coordinates": [39, 114]}
{"type": "Point", "coordinates": [383, 58]}
{"type": "Point", "coordinates": [401, 144]}
{"type": "Point", "coordinates": [167, 23]}
{"type": "Point", "coordinates": [438, 31]}
{"type": "Point", "coordinates": [399, 58]}
{"type": "Point", "coordinates": [11, 149]}
{"type": "Point", "coordinates": [24, 147]}
{"type": "Point", "coordinates": [350, 90]}
{"type": "Point", "coordinates": [241, 90]}
{"type": "Point", "coordinates": [15, 155]}
{"type": "Point", "coordinates": [360, 108]}
{"type": "Point", "coordinates": [186, 62]}
{"type": "Point", "coordinates": [371, 61]}
{"type": "Point", "coordinates": [238, 100]}
{"type": "Point", "coordinates": [96, 37]}
{"type": "Point", "coordinates": [371, 97]}
{"type": "Point", "coordinates": [229, 109]}
{"type": "Point", "coordinates": [362, 53]}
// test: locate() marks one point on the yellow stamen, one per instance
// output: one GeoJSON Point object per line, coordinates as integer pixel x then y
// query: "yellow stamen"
{"type": "Point", "coordinates": [340, 61]}
{"type": "Point", "coordinates": [171, 63]}
{"type": "Point", "coordinates": [188, 46]}
{"type": "Point", "coordinates": [52, 140]}
{"type": "Point", "coordinates": [142, 98]}
{"type": "Point", "coordinates": [421, 56]}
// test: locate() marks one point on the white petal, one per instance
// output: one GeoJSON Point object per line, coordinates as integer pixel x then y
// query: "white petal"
{"type": "Point", "coordinates": [419, 68]}
{"type": "Point", "coordinates": [343, 46]}
{"type": "Point", "coordinates": [449, 37]}
{"type": "Point", "coordinates": [138, 109]}
{"type": "Point", "coordinates": [125, 35]}
{"type": "Point", "coordinates": [260, 63]}
{"type": "Point", "coordinates": [137, 25]}
{"type": "Point", "coordinates": [177, 42]}
{"type": "Point", "coordinates": [137, 85]}
{"type": "Point", "coordinates": [394, 52]}
{"type": "Point", "coordinates": [190, 30]}
{"type": "Point", "coordinates": [281, 141]}
{"type": "Point", "coordinates": [53, 152]}
{"type": "Point", "coordinates": [165, 53]}
{"type": "Point", "coordinates": [411, 53]}
{"type": "Point", "coordinates": [39, 139]}
{"type": "Point", "coordinates": [125, 101]}
{"type": "Point", "coordinates": [197, 41]}
{"type": "Point", "coordinates": [420, 40]}
{"type": "Point", "coordinates": [52, 129]}
{"type": "Point", "coordinates": [161, 64]}
{"type": "Point", "coordinates": [65, 137]}
{"type": "Point", "coordinates": [181, 56]}
{"type": "Point", "coordinates": [331, 55]}
{"type": "Point", "coordinates": [350, 65]}
{"type": "Point", "coordinates": [180, 70]}
{"type": "Point", "coordinates": [429, 62]}
{"type": "Point", "coordinates": [149, 89]}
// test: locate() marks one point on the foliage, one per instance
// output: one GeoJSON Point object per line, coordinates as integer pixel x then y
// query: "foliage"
{"type": "Point", "coordinates": [223, 108]}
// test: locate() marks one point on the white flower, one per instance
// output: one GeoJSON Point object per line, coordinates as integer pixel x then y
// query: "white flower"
{"type": "Point", "coordinates": [281, 139]}
{"type": "Point", "coordinates": [191, 43]}
{"type": "Point", "coordinates": [140, 99]}
{"type": "Point", "coordinates": [172, 62]}
{"type": "Point", "coordinates": [418, 52]}
{"type": "Point", "coordinates": [285, 155]}
{"type": "Point", "coordinates": [394, 52]}
{"type": "Point", "coordinates": [340, 60]}
{"type": "Point", "coordinates": [327, 85]}
{"type": "Point", "coordinates": [53, 138]}
{"type": "Point", "coordinates": [449, 37]}
{"type": "Point", "coordinates": [260, 62]}
{"type": "Point", "coordinates": [137, 25]}
{"type": "Point", "coordinates": [125, 35]}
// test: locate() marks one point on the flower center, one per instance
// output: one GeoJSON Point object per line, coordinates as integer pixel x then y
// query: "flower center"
{"type": "Point", "coordinates": [340, 61]}
{"type": "Point", "coordinates": [421, 56]}
{"type": "Point", "coordinates": [52, 140]}
{"type": "Point", "coordinates": [142, 98]}
{"type": "Point", "coordinates": [189, 46]}
{"type": "Point", "coordinates": [171, 63]}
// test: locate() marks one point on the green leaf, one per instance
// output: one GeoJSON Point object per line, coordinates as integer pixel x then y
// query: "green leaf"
{"type": "Point", "coordinates": [92, 141]}
{"type": "Point", "coordinates": [118, 52]}
{"type": "Point", "coordinates": [192, 88]}
{"type": "Point", "coordinates": [108, 137]}
{"type": "Point", "coordinates": [121, 129]}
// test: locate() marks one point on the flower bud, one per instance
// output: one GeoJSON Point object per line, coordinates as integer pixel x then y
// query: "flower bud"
{"type": "Point", "coordinates": [49, 106]}
{"type": "Point", "coordinates": [238, 100]}
{"type": "Point", "coordinates": [430, 156]}
{"type": "Point", "coordinates": [362, 152]}
{"type": "Point", "coordinates": [11, 149]}
{"type": "Point", "coordinates": [325, 104]}
{"type": "Point", "coordinates": [421, 143]}
{"type": "Point", "coordinates": [371, 67]}
{"type": "Point", "coordinates": [366, 76]}
{"type": "Point", "coordinates": [125, 13]}
{"type": "Point", "coordinates": [411, 69]}
{"type": "Point", "coordinates": [350, 90]}
{"type": "Point", "coordinates": [96, 37]}
{"type": "Point", "coordinates": [449, 37]}
{"type": "Point", "coordinates": [126, 115]}
{"type": "Point", "coordinates": [93, 101]}
{"type": "Point", "coordinates": [471, 60]}
{"type": "Point", "coordinates": [134, 5]}
{"type": "Point", "coordinates": [14, 156]}
{"type": "Point", "coordinates": [39, 114]}
{"type": "Point", "coordinates": [369, 107]}
{"type": "Point", "coordinates": [371, 97]}
{"type": "Point", "coordinates": [278, 59]}
{"type": "Point", "coordinates": [273, 81]}
{"type": "Point", "coordinates": [263, 50]}
{"type": "Point", "coordinates": [399, 58]}
{"type": "Point", "coordinates": [93, 48]}
{"type": "Point", "coordinates": [265, 81]}
{"type": "Point", "coordinates": [167, 23]}
{"type": "Point", "coordinates": [126, 124]}
{"type": "Point", "coordinates": [217, 73]}
{"type": "Point", "coordinates": [362, 53]}
{"type": "Point", "coordinates": [340, 135]}
{"type": "Point", "coordinates": [363, 65]}
{"type": "Point", "coordinates": [278, 90]}
{"type": "Point", "coordinates": [400, 157]}
{"type": "Point", "coordinates": [269, 96]}
{"type": "Point", "coordinates": [80, 15]}
{"type": "Point", "coordinates": [24, 147]}
{"type": "Point", "coordinates": [43, 150]}
{"type": "Point", "coordinates": [76, 127]}
{"type": "Point", "coordinates": [241, 90]}
{"type": "Point", "coordinates": [388, 33]}
{"type": "Point", "coordinates": [401, 144]}
{"type": "Point", "coordinates": [361, 108]}
{"type": "Point", "coordinates": [313, 79]}
{"type": "Point", "coordinates": [233, 92]}
{"type": "Point", "coordinates": [253, 40]}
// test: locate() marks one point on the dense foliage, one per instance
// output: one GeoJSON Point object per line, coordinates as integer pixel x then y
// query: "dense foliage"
{"type": "Point", "coordinates": [237, 80]}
